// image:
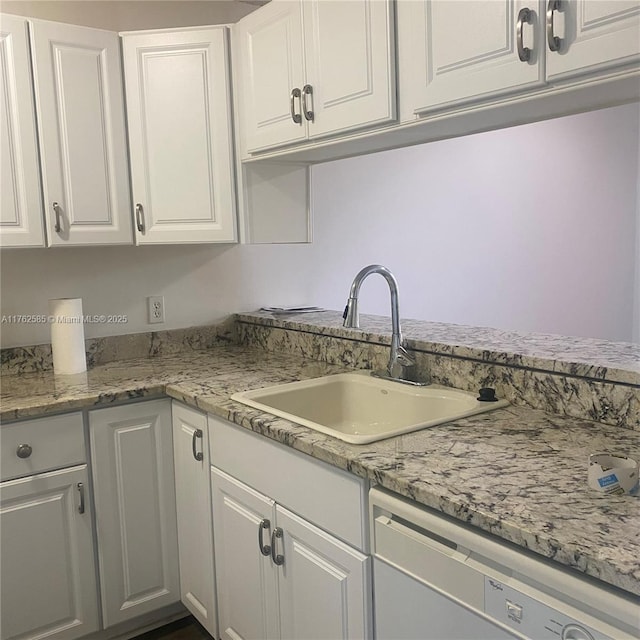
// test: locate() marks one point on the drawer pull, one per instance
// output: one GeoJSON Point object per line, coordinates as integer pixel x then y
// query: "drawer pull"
{"type": "Point", "coordinates": [296, 117]}
{"type": "Point", "coordinates": [24, 450]}
{"type": "Point", "coordinates": [81, 491]}
{"type": "Point", "coordinates": [553, 40]}
{"type": "Point", "coordinates": [307, 90]}
{"type": "Point", "coordinates": [265, 549]}
{"type": "Point", "coordinates": [198, 455]}
{"type": "Point", "coordinates": [139, 218]}
{"type": "Point", "coordinates": [524, 53]}
{"type": "Point", "coordinates": [58, 214]}
{"type": "Point", "coordinates": [276, 557]}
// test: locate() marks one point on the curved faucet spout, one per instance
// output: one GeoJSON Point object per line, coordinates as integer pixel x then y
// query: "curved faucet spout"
{"type": "Point", "coordinates": [398, 356]}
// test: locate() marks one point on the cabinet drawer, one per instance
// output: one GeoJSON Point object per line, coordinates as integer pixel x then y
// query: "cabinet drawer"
{"type": "Point", "coordinates": [330, 498]}
{"type": "Point", "coordinates": [55, 442]}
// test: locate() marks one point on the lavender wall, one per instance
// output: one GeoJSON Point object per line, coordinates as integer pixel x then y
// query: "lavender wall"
{"type": "Point", "coordinates": [532, 228]}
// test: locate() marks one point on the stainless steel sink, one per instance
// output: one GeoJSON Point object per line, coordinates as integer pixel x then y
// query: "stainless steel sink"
{"type": "Point", "coordinates": [359, 408]}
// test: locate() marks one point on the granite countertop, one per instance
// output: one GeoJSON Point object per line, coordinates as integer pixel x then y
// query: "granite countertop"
{"type": "Point", "coordinates": [516, 472]}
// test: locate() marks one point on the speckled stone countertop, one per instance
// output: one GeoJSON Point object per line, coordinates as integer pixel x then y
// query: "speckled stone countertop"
{"type": "Point", "coordinates": [516, 472]}
{"type": "Point", "coordinates": [586, 357]}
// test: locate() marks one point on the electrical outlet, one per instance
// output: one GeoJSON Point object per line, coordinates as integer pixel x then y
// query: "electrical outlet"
{"type": "Point", "coordinates": [155, 309]}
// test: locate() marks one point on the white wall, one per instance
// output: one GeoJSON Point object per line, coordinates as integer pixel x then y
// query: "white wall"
{"type": "Point", "coordinates": [531, 228]}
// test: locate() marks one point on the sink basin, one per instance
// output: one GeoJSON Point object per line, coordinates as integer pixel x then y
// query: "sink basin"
{"type": "Point", "coordinates": [359, 408]}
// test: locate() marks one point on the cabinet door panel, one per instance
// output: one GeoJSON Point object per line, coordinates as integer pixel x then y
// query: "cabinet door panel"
{"type": "Point", "coordinates": [324, 586]}
{"type": "Point", "coordinates": [271, 66]}
{"type": "Point", "coordinates": [193, 505]}
{"type": "Point", "coordinates": [456, 52]}
{"type": "Point", "coordinates": [178, 104]}
{"type": "Point", "coordinates": [246, 579]}
{"type": "Point", "coordinates": [596, 34]}
{"type": "Point", "coordinates": [21, 223]}
{"type": "Point", "coordinates": [48, 583]}
{"type": "Point", "coordinates": [132, 457]}
{"type": "Point", "coordinates": [82, 134]}
{"type": "Point", "coordinates": [350, 64]}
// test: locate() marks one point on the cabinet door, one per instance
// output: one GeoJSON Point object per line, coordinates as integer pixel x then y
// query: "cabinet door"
{"type": "Point", "coordinates": [269, 42]}
{"type": "Point", "coordinates": [21, 223]}
{"type": "Point", "coordinates": [180, 136]}
{"type": "Point", "coordinates": [80, 106]}
{"type": "Point", "coordinates": [48, 581]}
{"type": "Point", "coordinates": [133, 476]}
{"type": "Point", "coordinates": [246, 579]}
{"type": "Point", "coordinates": [457, 52]}
{"type": "Point", "coordinates": [595, 35]}
{"type": "Point", "coordinates": [350, 64]}
{"type": "Point", "coordinates": [193, 504]}
{"type": "Point", "coordinates": [324, 584]}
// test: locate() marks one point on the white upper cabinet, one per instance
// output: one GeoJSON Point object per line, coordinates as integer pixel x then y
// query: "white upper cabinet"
{"type": "Point", "coordinates": [80, 106]}
{"type": "Point", "coordinates": [269, 42]}
{"type": "Point", "coordinates": [593, 35]}
{"type": "Point", "coordinates": [180, 135]}
{"type": "Point", "coordinates": [314, 68]}
{"type": "Point", "coordinates": [454, 52]}
{"type": "Point", "coordinates": [21, 223]}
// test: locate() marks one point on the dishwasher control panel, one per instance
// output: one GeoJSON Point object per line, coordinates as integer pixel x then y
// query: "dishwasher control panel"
{"type": "Point", "coordinates": [532, 618]}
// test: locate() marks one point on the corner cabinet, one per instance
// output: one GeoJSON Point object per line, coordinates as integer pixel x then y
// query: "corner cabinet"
{"type": "Point", "coordinates": [193, 503]}
{"type": "Point", "coordinates": [133, 478]}
{"type": "Point", "coordinates": [80, 108]}
{"type": "Point", "coordinates": [313, 68]}
{"type": "Point", "coordinates": [21, 222]}
{"type": "Point", "coordinates": [294, 571]}
{"type": "Point", "coordinates": [180, 135]}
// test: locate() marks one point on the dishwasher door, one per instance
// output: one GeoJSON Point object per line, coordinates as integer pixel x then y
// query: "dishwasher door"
{"type": "Point", "coordinates": [408, 609]}
{"type": "Point", "coordinates": [437, 579]}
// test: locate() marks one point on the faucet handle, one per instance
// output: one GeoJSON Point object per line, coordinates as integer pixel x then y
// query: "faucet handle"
{"type": "Point", "coordinates": [350, 315]}
{"type": "Point", "coordinates": [404, 358]}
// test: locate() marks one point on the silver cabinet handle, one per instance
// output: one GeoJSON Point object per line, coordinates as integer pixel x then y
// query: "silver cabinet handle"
{"type": "Point", "coordinates": [24, 451]}
{"type": "Point", "coordinates": [58, 213]}
{"type": "Point", "coordinates": [307, 91]}
{"type": "Point", "coordinates": [552, 39]}
{"type": "Point", "coordinates": [276, 557]}
{"type": "Point", "coordinates": [196, 454]}
{"type": "Point", "coordinates": [81, 491]}
{"type": "Point", "coordinates": [524, 53]}
{"type": "Point", "coordinates": [140, 218]}
{"type": "Point", "coordinates": [265, 550]}
{"type": "Point", "coordinates": [296, 117]}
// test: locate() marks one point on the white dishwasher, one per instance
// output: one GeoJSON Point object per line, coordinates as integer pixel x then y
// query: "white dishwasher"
{"type": "Point", "coordinates": [435, 579]}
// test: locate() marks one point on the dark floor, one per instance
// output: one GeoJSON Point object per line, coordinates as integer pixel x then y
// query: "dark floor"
{"type": "Point", "coordinates": [186, 629]}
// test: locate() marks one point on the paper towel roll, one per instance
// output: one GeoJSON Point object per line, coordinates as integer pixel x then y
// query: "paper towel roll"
{"type": "Point", "coordinates": [67, 335]}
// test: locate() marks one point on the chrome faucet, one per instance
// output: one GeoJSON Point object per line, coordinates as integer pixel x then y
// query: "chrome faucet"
{"type": "Point", "coordinates": [398, 357]}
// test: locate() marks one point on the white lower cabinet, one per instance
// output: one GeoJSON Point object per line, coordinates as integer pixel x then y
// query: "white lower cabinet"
{"type": "Point", "coordinates": [246, 577]}
{"type": "Point", "coordinates": [133, 474]}
{"type": "Point", "coordinates": [324, 588]}
{"type": "Point", "coordinates": [193, 504]}
{"type": "Point", "coordinates": [48, 581]}
{"type": "Point", "coordinates": [278, 575]}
